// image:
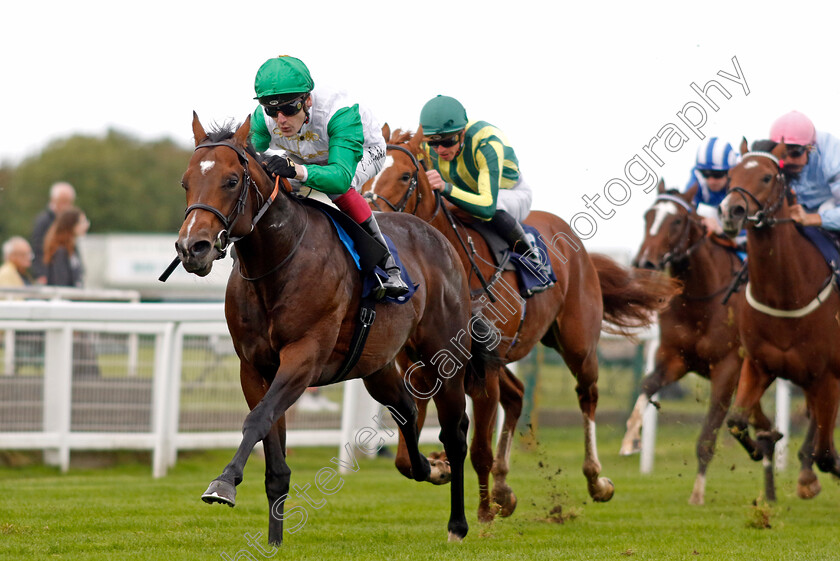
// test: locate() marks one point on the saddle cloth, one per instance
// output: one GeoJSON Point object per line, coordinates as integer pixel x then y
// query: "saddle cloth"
{"type": "Point", "coordinates": [366, 252]}
{"type": "Point", "coordinates": [826, 242]}
{"type": "Point", "coordinates": [509, 260]}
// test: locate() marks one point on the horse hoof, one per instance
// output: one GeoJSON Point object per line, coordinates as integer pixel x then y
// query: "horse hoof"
{"type": "Point", "coordinates": [630, 448]}
{"type": "Point", "coordinates": [486, 516]}
{"type": "Point", "coordinates": [509, 506]}
{"type": "Point", "coordinates": [604, 491]}
{"type": "Point", "coordinates": [220, 492]}
{"type": "Point", "coordinates": [696, 499]}
{"type": "Point", "coordinates": [808, 486]}
{"type": "Point", "coordinates": [440, 473]}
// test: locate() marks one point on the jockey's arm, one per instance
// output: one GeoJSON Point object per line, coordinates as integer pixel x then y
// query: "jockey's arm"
{"type": "Point", "coordinates": [345, 152]}
{"type": "Point", "coordinates": [489, 159]}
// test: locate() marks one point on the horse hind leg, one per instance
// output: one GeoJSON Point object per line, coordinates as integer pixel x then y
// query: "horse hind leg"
{"type": "Point", "coordinates": [386, 386]}
{"type": "Point", "coordinates": [511, 396]}
{"type": "Point", "coordinates": [451, 406]}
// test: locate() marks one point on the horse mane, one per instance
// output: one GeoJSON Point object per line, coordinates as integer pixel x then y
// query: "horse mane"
{"type": "Point", "coordinates": [400, 136]}
{"type": "Point", "coordinates": [225, 131]}
{"type": "Point", "coordinates": [763, 146]}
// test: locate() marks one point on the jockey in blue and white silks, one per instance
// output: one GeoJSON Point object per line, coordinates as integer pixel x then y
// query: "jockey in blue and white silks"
{"type": "Point", "coordinates": [714, 159]}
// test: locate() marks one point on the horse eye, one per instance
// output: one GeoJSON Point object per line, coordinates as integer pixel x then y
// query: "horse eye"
{"type": "Point", "coordinates": [767, 178]}
{"type": "Point", "coordinates": [232, 182]}
{"type": "Point", "coordinates": [406, 176]}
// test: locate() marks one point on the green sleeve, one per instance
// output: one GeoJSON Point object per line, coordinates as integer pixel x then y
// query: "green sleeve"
{"type": "Point", "coordinates": [260, 137]}
{"type": "Point", "coordinates": [346, 142]}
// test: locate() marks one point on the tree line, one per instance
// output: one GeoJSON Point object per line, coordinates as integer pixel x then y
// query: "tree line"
{"type": "Point", "coordinates": [122, 184]}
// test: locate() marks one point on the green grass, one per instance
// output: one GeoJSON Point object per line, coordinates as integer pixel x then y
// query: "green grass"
{"type": "Point", "coordinates": [122, 513]}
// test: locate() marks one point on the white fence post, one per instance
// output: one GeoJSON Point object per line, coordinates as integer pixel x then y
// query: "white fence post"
{"type": "Point", "coordinates": [58, 392]}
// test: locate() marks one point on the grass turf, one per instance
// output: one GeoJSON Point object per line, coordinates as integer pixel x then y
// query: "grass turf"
{"type": "Point", "coordinates": [120, 512]}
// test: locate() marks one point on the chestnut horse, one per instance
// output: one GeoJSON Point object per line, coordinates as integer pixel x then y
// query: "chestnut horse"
{"type": "Point", "coordinates": [292, 305]}
{"type": "Point", "coordinates": [788, 326]}
{"type": "Point", "coordinates": [568, 317]}
{"type": "Point", "coordinates": [698, 332]}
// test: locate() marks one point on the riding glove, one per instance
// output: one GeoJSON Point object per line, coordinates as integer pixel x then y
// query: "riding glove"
{"type": "Point", "coordinates": [280, 165]}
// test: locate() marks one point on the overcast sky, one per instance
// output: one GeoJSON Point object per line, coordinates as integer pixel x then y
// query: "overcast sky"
{"type": "Point", "coordinates": [578, 90]}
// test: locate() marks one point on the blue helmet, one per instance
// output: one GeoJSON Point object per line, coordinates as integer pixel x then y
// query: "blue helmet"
{"type": "Point", "coordinates": [715, 154]}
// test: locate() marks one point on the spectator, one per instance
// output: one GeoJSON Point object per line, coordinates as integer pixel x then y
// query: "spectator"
{"type": "Point", "coordinates": [61, 254]}
{"type": "Point", "coordinates": [17, 259]}
{"type": "Point", "coordinates": [62, 196]}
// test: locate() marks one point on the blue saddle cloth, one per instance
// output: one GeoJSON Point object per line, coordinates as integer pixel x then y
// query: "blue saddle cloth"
{"type": "Point", "coordinates": [528, 278]}
{"type": "Point", "coordinates": [826, 244]}
{"type": "Point", "coordinates": [370, 282]}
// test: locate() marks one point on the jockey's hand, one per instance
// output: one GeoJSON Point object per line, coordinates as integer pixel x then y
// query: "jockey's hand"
{"type": "Point", "coordinates": [798, 215]}
{"type": "Point", "coordinates": [712, 225]}
{"type": "Point", "coordinates": [280, 165]}
{"type": "Point", "coordinates": [435, 180]}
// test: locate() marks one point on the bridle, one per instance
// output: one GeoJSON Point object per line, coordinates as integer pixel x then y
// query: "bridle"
{"type": "Point", "coordinates": [682, 251]}
{"type": "Point", "coordinates": [765, 216]}
{"type": "Point", "coordinates": [412, 187]}
{"type": "Point", "coordinates": [224, 238]}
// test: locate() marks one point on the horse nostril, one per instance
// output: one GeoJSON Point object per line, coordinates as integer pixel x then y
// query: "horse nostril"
{"type": "Point", "coordinates": [649, 265]}
{"type": "Point", "coordinates": [737, 212]}
{"type": "Point", "coordinates": [200, 249]}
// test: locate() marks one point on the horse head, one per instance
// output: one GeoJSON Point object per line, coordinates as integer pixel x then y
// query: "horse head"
{"type": "Point", "coordinates": [401, 186]}
{"type": "Point", "coordinates": [757, 190]}
{"type": "Point", "coordinates": [672, 230]}
{"type": "Point", "coordinates": [222, 172]}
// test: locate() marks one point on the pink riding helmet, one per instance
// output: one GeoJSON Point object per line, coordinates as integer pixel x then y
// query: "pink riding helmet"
{"type": "Point", "coordinates": [793, 128]}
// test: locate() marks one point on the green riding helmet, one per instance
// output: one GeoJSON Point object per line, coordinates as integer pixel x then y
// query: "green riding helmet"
{"type": "Point", "coordinates": [442, 115]}
{"type": "Point", "coordinates": [282, 76]}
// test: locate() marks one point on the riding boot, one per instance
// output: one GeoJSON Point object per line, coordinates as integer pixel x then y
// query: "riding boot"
{"type": "Point", "coordinates": [395, 286]}
{"type": "Point", "coordinates": [523, 243]}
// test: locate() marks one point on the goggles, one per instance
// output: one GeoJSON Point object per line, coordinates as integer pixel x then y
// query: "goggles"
{"type": "Point", "coordinates": [290, 109]}
{"type": "Point", "coordinates": [445, 142]}
{"type": "Point", "coordinates": [713, 173]}
{"type": "Point", "coordinates": [796, 150]}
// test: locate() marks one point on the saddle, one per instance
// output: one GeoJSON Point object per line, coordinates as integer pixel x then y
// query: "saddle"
{"type": "Point", "coordinates": [507, 260]}
{"type": "Point", "coordinates": [828, 245]}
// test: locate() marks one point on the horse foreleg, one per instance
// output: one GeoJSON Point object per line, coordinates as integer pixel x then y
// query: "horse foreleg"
{"type": "Point", "coordinates": [284, 390]}
{"type": "Point", "coordinates": [511, 395]}
{"type": "Point", "coordinates": [751, 386]}
{"type": "Point", "coordinates": [451, 407]}
{"type": "Point", "coordinates": [724, 380]}
{"type": "Point", "coordinates": [485, 398]}
{"type": "Point", "coordinates": [807, 484]}
{"type": "Point", "coordinates": [277, 476]}
{"type": "Point", "coordinates": [666, 371]}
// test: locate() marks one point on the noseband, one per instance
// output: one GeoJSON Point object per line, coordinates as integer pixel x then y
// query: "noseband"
{"type": "Point", "coordinates": [412, 186]}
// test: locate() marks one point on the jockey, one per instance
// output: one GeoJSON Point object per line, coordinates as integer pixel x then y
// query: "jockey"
{"type": "Point", "coordinates": [714, 159]}
{"type": "Point", "coordinates": [812, 168]}
{"type": "Point", "coordinates": [473, 166]}
{"type": "Point", "coordinates": [331, 144]}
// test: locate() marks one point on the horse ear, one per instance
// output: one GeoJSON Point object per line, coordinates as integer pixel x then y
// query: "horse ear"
{"type": "Point", "coordinates": [386, 132]}
{"type": "Point", "coordinates": [198, 130]}
{"type": "Point", "coordinates": [660, 187]}
{"type": "Point", "coordinates": [417, 138]}
{"type": "Point", "coordinates": [780, 150]}
{"type": "Point", "coordinates": [744, 145]}
{"type": "Point", "coordinates": [688, 196]}
{"type": "Point", "coordinates": [240, 137]}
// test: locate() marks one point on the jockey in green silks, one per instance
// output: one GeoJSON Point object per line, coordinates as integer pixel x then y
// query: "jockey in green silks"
{"type": "Point", "coordinates": [331, 144]}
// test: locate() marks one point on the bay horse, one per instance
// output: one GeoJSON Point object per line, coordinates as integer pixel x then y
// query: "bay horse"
{"type": "Point", "coordinates": [789, 326]}
{"type": "Point", "coordinates": [292, 304]}
{"type": "Point", "coordinates": [590, 289]}
{"type": "Point", "coordinates": [698, 331]}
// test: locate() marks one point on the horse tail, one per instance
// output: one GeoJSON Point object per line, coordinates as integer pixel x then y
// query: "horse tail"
{"type": "Point", "coordinates": [485, 339]}
{"type": "Point", "coordinates": [631, 296]}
